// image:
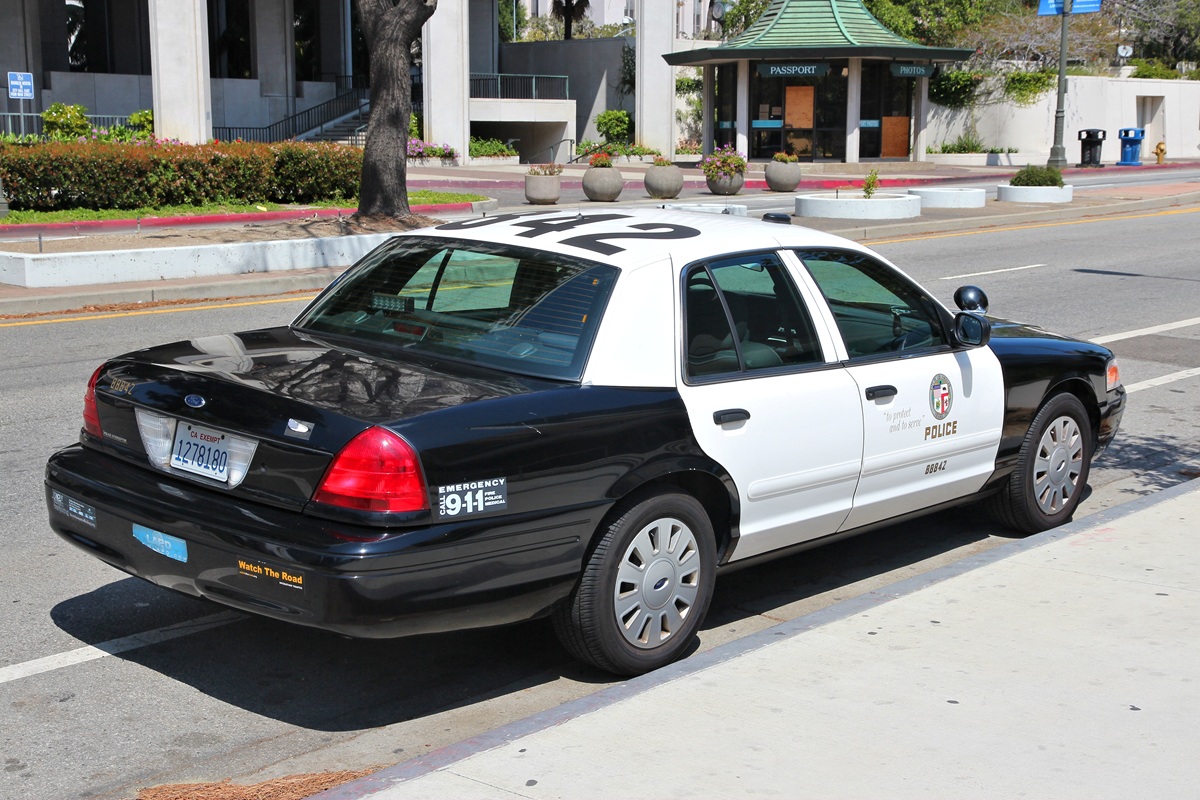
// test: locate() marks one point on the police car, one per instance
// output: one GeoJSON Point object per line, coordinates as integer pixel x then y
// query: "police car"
{"type": "Point", "coordinates": [585, 416]}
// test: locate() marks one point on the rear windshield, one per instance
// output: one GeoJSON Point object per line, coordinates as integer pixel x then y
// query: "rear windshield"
{"type": "Point", "coordinates": [505, 307]}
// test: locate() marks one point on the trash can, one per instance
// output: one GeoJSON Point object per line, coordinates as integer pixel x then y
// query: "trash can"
{"type": "Point", "coordinates": [1090, 142]}
{"type": "Point", "coordinates": [1131, 147]}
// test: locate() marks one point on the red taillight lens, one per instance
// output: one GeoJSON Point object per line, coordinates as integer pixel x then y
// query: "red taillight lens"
{"type": "Point", "coordinates": [91, 417]}
{"type": "Point", "coordinates": [376, 471]}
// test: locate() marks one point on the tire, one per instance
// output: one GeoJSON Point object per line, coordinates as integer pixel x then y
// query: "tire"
{"type": "Point", "coordinates": [645, 586]}
{"type": "Point", "coordinates": [1052, 469]}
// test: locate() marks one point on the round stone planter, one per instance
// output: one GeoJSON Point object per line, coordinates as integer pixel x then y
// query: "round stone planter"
{"type": "Point", "coordinates": [1034, 194]}
{"type": "Point", "coordinates": [602, 184]}
{"type": "Point", "coordinates": [726, 185]}
{"type": "Point", "coordinates": [948, 197]}
{"type": "Point", "coordinates": [664, 183]}
{"type": "Point", "coordinates": [542, 190]}
{"type": "Point", "coordinates": [783, 177]}
{"type": "Point", "coordinates": [852, 205]}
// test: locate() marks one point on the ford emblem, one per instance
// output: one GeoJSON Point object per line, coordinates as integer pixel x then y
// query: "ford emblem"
{"type": "Point", "coordinates": [194, 401]}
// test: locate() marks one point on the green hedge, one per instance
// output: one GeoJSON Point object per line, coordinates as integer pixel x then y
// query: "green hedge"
{"type": "Point", "coordinates": [59, 175]}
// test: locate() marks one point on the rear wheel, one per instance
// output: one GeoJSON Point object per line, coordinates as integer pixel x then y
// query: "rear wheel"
{"type": "Point", "coordinates": [644, 589]}
{"type": "Point", "coordinates": [1052, 469]}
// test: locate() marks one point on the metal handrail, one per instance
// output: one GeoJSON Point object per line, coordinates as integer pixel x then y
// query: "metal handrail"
{"type": "Point", "coordinates": [307, 120]}
{"type": "Point", "coordinates": [591, 151]}
{"type": "Point", "coordinates": [512, 86]}
{"type": "Point", "coordinates": [550, 149]}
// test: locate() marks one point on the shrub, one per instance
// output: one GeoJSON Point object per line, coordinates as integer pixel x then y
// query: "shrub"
{"type": "Point", "coordinates": [490, 148]}
{"type": "Point", "coordinates": [545, 169]}
{"type": "Point", "coordinates": [1153, 69]}
{"type": "Point", "coordinates": [955, 88]}
{"type": "Point", "coordinates": [1024, 88]}
{"type": "Point", "coordinates": [614, 125]}
{"type": "Point", "coordinates": [1032, 175]}
{"type": "Point", "coordinates": [689, 148]}
{"type": "Point", "coordinates": [786, 158]}
{"type": "Point", "coordinates": [967, 142]}
{"type": "Point", "coordinates": [63, 122]}
{"type": "Point", "coordinates": [871, 184]}
{"type": "Point", "coordinates": [420, 149]}
{"type": "Point", "coordinates": [305, 173]}
{"type": "Point", "coordinates": [142, 122]}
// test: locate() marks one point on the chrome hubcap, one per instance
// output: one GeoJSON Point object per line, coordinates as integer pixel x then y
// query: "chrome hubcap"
{"type": "Point", "coordinates": [657, 583]}
{"type": "Point", "coordinates": [1058, 465]}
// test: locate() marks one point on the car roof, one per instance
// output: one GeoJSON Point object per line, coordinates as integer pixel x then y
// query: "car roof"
{"type": "Point", "coordinates": [629, 238]}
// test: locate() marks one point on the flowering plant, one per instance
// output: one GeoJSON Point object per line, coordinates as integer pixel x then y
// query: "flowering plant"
{"type": "Point", "coordinates": [601, 159]}
{"type": "Point", "coordinates": [419, 149]}
{"type": "Point", "coordinates": [545, 169]}
{"type": "Point", "coordinates": [786, 158]}
{"type": "Point", "coordinates": [660, 161]}
{"type": "Point", "coordinates": [724, 162]}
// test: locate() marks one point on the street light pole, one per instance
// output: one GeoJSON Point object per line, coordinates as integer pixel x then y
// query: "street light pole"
{"type": "Point", "coordinates": [1058, 153]}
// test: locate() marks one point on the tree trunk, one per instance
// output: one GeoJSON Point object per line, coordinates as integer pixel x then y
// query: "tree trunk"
{"type": "Point", "coordinates": [389, 28]}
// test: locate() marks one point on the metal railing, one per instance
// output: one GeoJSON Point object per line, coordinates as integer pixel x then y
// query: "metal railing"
{"type": "Point", "coordinates": [503, 86]}
{"type": "Point", "coordinates": [353, 100]}
{"type": "Point", "coordinates": [28, 123]}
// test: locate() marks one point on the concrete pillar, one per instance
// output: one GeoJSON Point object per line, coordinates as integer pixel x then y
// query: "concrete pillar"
{"type": "Point", "coordinates": [853, 109]}
{"type": "Point", "coordinates": [446, 58]}
{"type": "Point", "coordinates": [179, 68]}
{"type": "Point", "coordinates": [332, 18]}
{"type": "Point", "coordinates": [654, 112]}
{"type": "Point", "coordinates": [920, 135]}
{"type": "Point", "coordinates": [708, 107]}
{"type": "Point", "coordinates": [274, 53]}
{"type": "Point", "coordinates": [743, 107]}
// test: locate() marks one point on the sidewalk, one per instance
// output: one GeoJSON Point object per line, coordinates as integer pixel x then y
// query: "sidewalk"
{"type": "Point", "coordinates": [1059, 666]}
{"type": "Point", "coordinates": [504, 184]}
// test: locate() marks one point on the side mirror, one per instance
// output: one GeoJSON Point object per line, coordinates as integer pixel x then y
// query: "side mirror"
{"type": "Point", "coordinates": [971, 330]}
{"type": "Point", "coordinates": [971, 298]}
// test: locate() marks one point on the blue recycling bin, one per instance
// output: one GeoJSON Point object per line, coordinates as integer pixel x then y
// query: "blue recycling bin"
{"type": "Point", "coordinates": [1131, 146]}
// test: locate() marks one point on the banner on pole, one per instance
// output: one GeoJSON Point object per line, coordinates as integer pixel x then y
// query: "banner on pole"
{"type": "Point", "coordinates": [1053, 8]}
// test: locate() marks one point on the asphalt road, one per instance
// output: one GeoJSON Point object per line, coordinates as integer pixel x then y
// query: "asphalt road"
{"type": "Point", "coordinates": [216, 694]}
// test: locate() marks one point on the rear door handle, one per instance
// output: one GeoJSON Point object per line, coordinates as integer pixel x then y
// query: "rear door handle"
{"type": "Point", "coordinates": [730, 415]}
{"type": "Point", "coordinates": [877, 392]}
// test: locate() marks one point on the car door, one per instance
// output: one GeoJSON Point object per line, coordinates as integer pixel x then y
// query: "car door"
{"type": "Point", "coordinates": [932, 413]}
{"type": "Point", "coordinates": [768, 400]}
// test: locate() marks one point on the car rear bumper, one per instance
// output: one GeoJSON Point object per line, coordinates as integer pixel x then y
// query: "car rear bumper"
{"type": "Point", "coordinates": [282, 564]}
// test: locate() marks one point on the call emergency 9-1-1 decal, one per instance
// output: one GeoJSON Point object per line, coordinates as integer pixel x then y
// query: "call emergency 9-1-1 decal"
{"type": "Point", "coordinates": [473, 497]}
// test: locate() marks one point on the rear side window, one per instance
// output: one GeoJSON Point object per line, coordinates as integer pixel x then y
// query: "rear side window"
{"type": "Point", "coordinates": [743, 314]}
{"type": "Point", "coordinates": [509, 308]}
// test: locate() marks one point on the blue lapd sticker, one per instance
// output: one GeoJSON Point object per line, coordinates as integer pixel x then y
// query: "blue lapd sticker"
{"type": "Point", "coordinates": [164, 543]}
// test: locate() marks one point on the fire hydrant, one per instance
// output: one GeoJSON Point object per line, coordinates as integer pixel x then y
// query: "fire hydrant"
{"type": "Point", "coordinates": [1160, 151]}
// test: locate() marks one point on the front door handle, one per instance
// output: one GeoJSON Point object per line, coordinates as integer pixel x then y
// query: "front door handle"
{"type": "Point", "coordinates": [730, 415]}
{"type": "Point", "coordinates": [878, 392]}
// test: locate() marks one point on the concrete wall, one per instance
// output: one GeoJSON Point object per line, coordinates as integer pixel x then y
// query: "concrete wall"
{"type": "Point", "coordinates": [1107, 103]}
{"type": "Point", "coordinates": [592, 67]}
{"type": "Point", "coordinates": [115, 95]}
{"type": "Point", "coordinates": [539, 125]}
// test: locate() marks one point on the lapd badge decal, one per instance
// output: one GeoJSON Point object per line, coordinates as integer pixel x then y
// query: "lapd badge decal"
{"type": "Point", "coordinates": [941, 396]}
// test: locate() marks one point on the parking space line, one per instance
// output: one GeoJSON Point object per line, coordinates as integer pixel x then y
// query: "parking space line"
{"type": "Point", "coordinates": [1163, 379]}
{"type": "Point", "coordinates": [1168, 326]}
{"type": "Point", "coordinates": [114, 646]}
{"type": "Point", "coordinates": [200, 306]}
{"type": "Point", "coordinates": [990, 272]}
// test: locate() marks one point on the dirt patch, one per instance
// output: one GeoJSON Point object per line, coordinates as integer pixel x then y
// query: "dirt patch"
{"type": "Point", "coordinates": [230, 233]}
{"type": "Point", "coordinates": [292, 787]}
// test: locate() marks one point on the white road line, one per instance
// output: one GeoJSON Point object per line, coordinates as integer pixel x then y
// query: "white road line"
{"type": "Point", "coordinates": [1169, 326]}
{"type": "Point", "coordinates": [1171, 378]}
{"type": "Point", "coordinates": [990, 272]}
{"type": "Point", "coordinates": [113, 646]}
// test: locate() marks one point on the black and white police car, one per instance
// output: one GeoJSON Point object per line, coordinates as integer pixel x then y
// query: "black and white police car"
{"type": "Point", "coordinates": [585, 416]}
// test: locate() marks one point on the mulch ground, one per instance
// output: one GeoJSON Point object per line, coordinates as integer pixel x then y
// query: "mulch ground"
{"type": "Point", "coordinates": [292, 787]}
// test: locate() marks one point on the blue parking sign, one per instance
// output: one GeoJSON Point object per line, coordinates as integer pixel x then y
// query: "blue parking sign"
{"type": "Point", "coordinates": [1053, 8]}
{"type": "Point", "coordinates": [20, 86]}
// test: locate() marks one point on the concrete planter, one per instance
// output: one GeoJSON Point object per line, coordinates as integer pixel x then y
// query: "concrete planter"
{"type": "Point", "coordinates": [948, 197]}
{"type": "Point", "coordinates": [852, 205]}
{"type": "Point", "coordinates": [664, 183]}
{"type": "Point", "coordinates": [979, 159]}
{"type": "Point", "coordinates": [726, 185]}
{"type": "Point", "coordinates": [494, 161]}
{"type": "Point", "coordinates": [1034, 194]}
{"type": "Point", "coordinates": [543, 190]}
{"type": "Point", "coordinates": [602, 184]}
{"type": "Point", "coordinates": [783, 177]}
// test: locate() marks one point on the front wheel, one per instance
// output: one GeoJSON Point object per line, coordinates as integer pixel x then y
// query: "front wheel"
{"type": "Point", "coordinates": [1052, 469]}
{"type": "Point", "coordinates": [644, 589]}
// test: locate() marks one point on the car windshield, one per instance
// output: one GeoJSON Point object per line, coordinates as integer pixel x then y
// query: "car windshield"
{"type": "Point", "coordinates": [505, 307]}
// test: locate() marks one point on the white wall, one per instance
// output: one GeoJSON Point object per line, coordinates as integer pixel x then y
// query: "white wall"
{"type": "Point", "coordinates": [1107, 103]}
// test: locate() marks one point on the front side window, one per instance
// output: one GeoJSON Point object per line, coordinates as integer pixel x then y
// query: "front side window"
{"type": "Point", "coordinates": [509, 308]}
{"type": "Point", "coordinates": [742, 314]}
{"type": "Point", "coordinates": [878, 311]}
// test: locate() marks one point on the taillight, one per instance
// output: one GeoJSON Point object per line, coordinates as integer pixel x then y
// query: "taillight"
{"type": "Point", "coordinates": [376, 471]}
{"type": "Point", "coordinates": [91, 417]}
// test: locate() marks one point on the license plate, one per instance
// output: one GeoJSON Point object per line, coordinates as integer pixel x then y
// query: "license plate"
{"type": "Point", "coordinates": [201, 451]}
{"type": "Point", "coordinates": [164, 543]}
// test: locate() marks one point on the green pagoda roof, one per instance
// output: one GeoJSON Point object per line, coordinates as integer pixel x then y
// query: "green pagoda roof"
{"type": "Point", "coordinates": [811, 29]}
